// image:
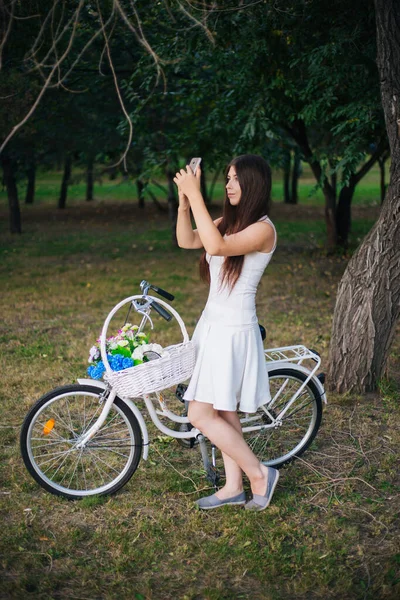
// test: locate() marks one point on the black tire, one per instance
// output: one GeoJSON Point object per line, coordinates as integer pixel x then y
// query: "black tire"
{"type": "Point", "coordinates": [48, 449]}
{"type": "Point", "coordinates": [280, 445]}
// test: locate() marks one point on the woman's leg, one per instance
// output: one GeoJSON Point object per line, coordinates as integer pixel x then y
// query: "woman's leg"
{"type": "Point", "coordinates": [230, 441]}
{"type": "Point", "coordinates": [233, 473]}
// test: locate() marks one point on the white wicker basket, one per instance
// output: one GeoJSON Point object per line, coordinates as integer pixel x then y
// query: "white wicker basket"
{"type": "Point", "coordinates": [155, 375]}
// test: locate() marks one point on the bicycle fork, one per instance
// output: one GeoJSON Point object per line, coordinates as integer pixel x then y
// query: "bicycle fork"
{"type": "Point", "coordinates": [99, 422]}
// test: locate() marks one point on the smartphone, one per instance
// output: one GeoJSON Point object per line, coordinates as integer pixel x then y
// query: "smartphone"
{"type": "Point", "coordinates": [194, 163]}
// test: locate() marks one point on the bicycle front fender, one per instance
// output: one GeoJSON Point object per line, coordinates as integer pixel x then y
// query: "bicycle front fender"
{"type": "Point", "coordinates": [132, 406]}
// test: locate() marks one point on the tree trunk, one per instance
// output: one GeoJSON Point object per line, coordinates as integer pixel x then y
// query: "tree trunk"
{"type": "Point", "coordinates": [368, 301]}
{"type": "Point", "coordinates": [343, 211]}
{"type": "Point", "coordinates": [382, 160]}
{"type": "Point", "coordinates": [334, 183]}
{"type": "Point", "coordinates": [203, 183]}
{"type": "Point", "coordinates": [294, 196]}
{"type": "Point", "coordinates": [65, 182]}
{"type": "Point", "coordinates": [172, 203]}
{"type": "Point", "coordinates": [12, 193]}
{"type": "Point", "coordinates": [330, 212]}
{"type": "Point", "coordinates": [299, 133]}
{"type": "Point", "coordinates": [89, 179]}
{"type": "Point", "coordinates": [286, 177]}
{"type": "Point", "coordinates": [343, 214]}
{"type": "Point", "coordinates": [213, 183]}
{"type": "Point", "coordinates": [30, 190]}
{"type": "Point", "coordinates": [140, 188]}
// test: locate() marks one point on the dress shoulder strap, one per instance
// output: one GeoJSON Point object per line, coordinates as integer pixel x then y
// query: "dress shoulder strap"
{"type": "Point", "coordinates": [266, 219]}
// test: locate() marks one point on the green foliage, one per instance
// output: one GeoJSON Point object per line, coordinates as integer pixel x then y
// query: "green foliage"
{"type": "Point", "coordinates": [149, 540]}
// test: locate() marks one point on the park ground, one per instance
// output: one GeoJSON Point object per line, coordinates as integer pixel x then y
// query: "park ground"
{"type": "Point", "coordinates": [332, 529]}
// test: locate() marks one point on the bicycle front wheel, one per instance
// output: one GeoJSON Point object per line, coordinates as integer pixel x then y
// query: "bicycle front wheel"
{"type": "Point", "coordinates": [52, 429]}
{"type": "Point", "coordinates": [279, 445]}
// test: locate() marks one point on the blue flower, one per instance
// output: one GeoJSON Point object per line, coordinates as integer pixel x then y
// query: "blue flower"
{"type": "Point", "coordinates": [96, 371]}
{"type": "Point", "coordinates": [127, 362]}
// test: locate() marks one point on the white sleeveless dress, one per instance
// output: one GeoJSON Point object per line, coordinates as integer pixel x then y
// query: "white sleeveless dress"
{"type": "Point", "coordinates": [230, 371]}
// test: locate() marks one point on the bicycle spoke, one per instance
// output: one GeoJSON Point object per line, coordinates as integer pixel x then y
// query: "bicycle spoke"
{"type": "Point", "coordinates": [104, 462]}
{"type": "Point", "coordinates": [93, 418]}
{"type": "Point", "coordinates": [93, 462]}
{"type": "Point", "coordinates": [83, 473]}
{"type": "Point", "coordinates": [275, 444]}
{"type": "Point", "coordinates": [103, 465]}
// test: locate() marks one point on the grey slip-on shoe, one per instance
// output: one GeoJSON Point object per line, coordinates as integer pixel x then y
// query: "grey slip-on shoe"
{"type": "Point", "coordinates": [209, 502]}
{"type": "Point", "coordinates": [260, 502]}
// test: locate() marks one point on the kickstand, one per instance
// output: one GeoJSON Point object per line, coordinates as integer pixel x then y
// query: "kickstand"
{"type": "Point", "coordinates": [209, 467]}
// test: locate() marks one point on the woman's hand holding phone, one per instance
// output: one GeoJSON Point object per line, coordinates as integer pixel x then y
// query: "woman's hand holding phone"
{"type": "Point", "coordinates": [188, 183]}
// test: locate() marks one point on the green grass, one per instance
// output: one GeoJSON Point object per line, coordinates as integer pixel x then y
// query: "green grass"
{"type": "Point", "coordinates": [332, 529]}
{"type": "Point", "coordinates": [48, 189]}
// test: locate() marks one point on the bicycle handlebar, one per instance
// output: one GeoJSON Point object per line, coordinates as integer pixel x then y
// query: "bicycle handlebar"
{"type": "Point", "coordinates": [161, 310]}
{"type": "Point", "coordinates": [163, 293]}
{"type": "Point", "coordinates": [160, 306]}
{"type": "Point", "coordinates": [145, 286]}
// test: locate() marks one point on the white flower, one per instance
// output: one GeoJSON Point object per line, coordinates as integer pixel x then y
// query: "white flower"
{"type": "Point", "coordinates": [130, 326]}
{"type": "Point", "coordinates": [155, 348]}
{"type": "Point", "coordinates": [138, 353]}
{"type": "Point", "coordinates": [94, 354]}
{"type": "Point", "coordinates": [123, 343]}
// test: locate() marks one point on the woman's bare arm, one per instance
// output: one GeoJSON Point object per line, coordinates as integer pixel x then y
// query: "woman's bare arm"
{"type": "Point", "coordinates": [257, 237]}
{"type": "Point", "coordinates": [186, 236]}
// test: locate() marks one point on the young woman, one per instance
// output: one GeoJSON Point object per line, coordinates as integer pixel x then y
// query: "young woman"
{"type": "Point", "coordinates": [230, 370]}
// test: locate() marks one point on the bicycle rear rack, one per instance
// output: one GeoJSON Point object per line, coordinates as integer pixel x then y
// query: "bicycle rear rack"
{"type": "Point", "coordinates": [296, 354]}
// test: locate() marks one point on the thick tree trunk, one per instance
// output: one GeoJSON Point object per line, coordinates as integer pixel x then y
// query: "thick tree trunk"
{"type": "Point", "coordinates": [89, 179]}
{"type": "Point", "coordinates": [286, 177]}
{"type": "Point", "coordinates": [12, 193]}
{"type": "Point", "coordinates": [368, 301]}
{"type": "Point", "coordinates": [30, 190]}
{"type": "Point", "coordinates": [172, 203]}
{"type": "Point", "coordinates": [294, 196]}
{"type": "Point", "coordinates": [65, 182]}
{"type": "Point", "coordinates": [140, 194]}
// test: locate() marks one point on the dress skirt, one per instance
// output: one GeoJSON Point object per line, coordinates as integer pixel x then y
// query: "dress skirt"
{"type": "Point", "coordinates": [230, 371]}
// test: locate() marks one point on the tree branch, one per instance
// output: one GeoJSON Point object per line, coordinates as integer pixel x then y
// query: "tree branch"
{"type": "Point", "coordinates": [382, 146]}
{"type": "Point", "coordinates": [46, 84]}
{"type": "Point", "coordinates": [106, 40]}
{"type": "Point", "coordinates": [7, 30]}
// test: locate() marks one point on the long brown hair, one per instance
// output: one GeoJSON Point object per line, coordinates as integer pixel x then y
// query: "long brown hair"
{"type": "Point", "coordinates": [254, 176]}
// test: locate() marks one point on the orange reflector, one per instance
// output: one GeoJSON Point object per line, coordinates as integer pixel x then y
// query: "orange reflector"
{"type": "Point", "coordinates": [48, 426]}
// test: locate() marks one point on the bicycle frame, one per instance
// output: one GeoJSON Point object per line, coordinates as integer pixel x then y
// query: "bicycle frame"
{"type": "Point", "coordinates": [193, 433]}
{"type": "Point", "coordinates": [275, 358]}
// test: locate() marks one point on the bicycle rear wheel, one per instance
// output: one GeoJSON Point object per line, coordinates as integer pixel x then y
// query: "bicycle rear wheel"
{"type": "Point", "coordinates": [52, 429]}
{"type": "Point", "coordinates": [280, 445]}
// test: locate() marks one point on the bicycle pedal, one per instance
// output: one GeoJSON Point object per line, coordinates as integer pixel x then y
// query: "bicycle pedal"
{"type": "Point", "coordinates": [213, 475]}
{"type": "Point", "coordinates": [180, 391]}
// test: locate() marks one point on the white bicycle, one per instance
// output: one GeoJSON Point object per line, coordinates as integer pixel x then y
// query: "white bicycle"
{"type": "Point", "coordinates": [88, 438]}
